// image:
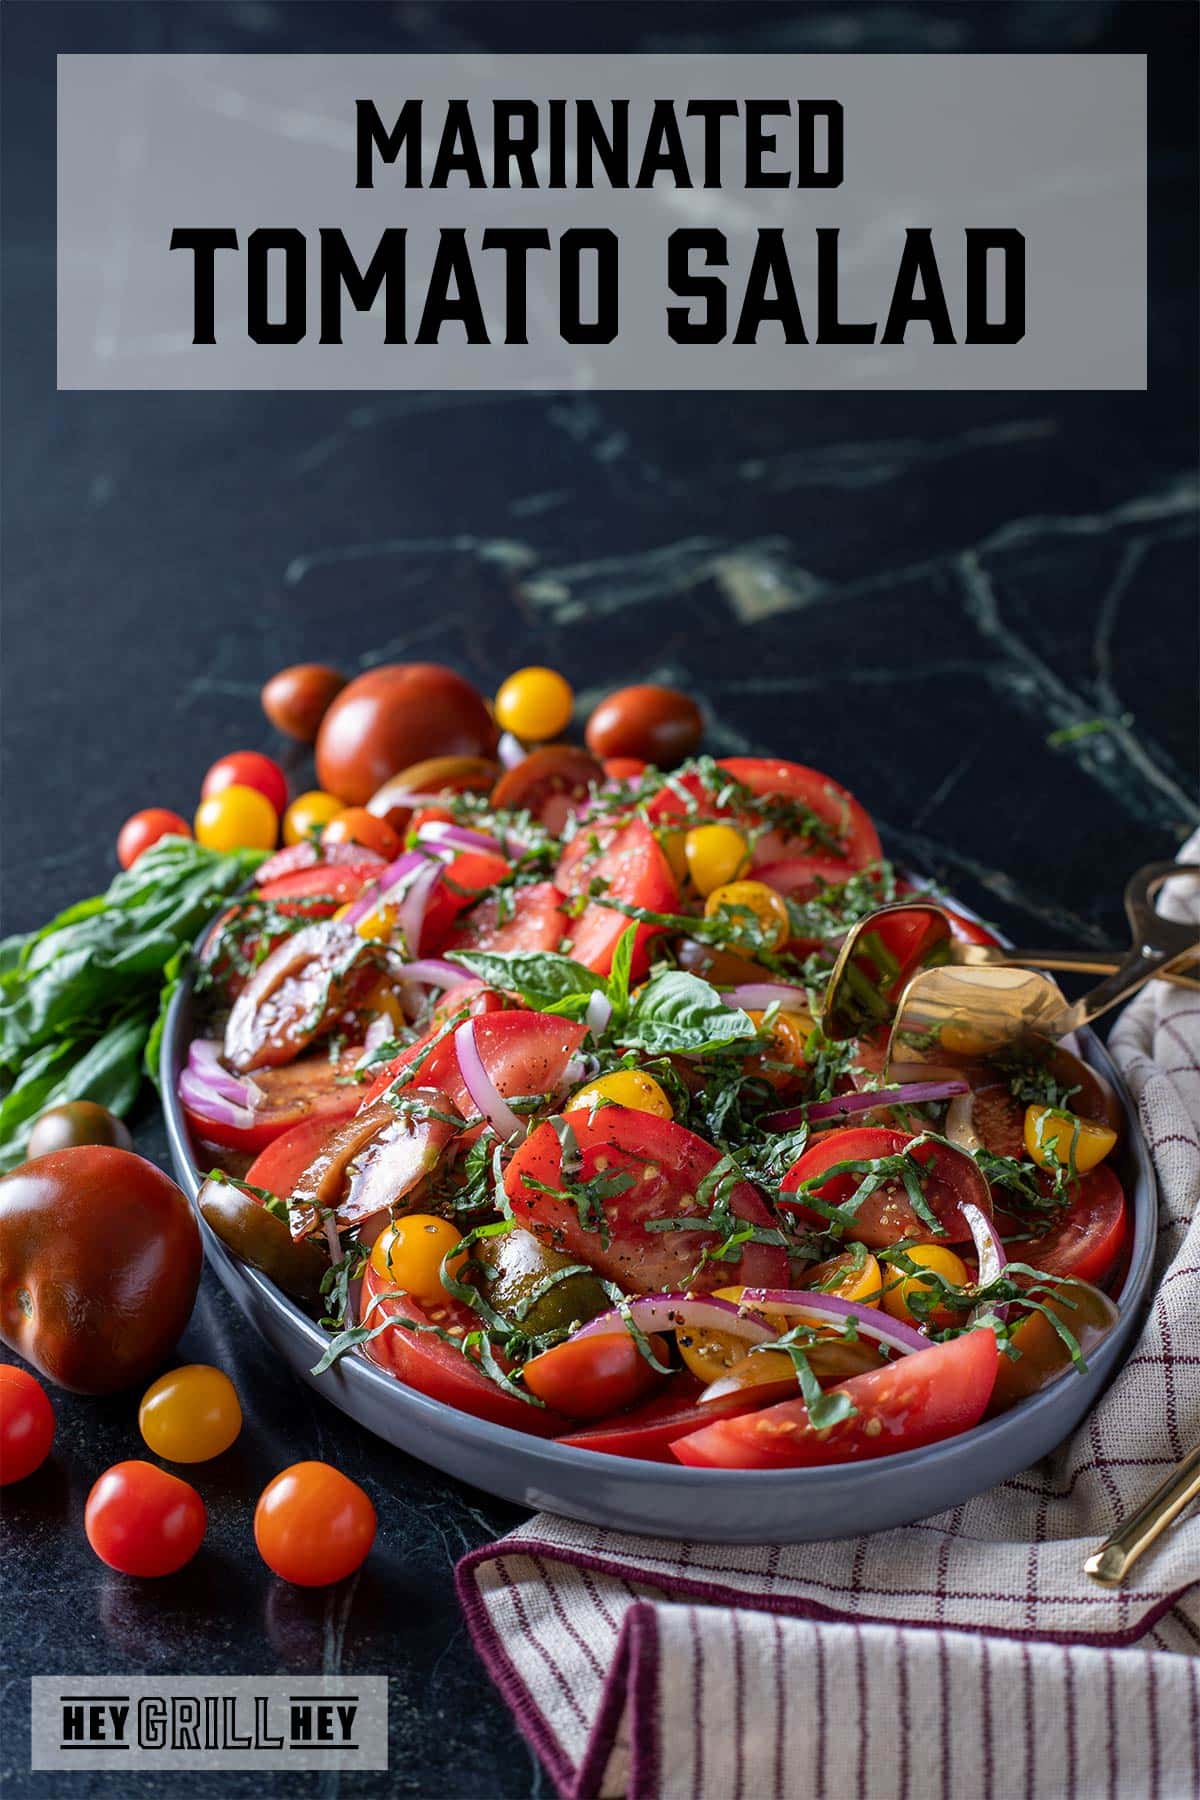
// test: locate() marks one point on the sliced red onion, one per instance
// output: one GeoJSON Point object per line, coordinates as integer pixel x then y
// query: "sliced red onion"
{"type": "Point", "coordinates": [988, 1249]}
{"type": "Point", "coordinates": [207, 1104]}
{"type": "Point", "coordinates": [807, 1303]}
{"type": "Point", "coordinates": [598, 1012]}
{"type": "Point", "coordinates": [411, 915]}
{"type": "Point", "coordinates": [580, 1068]}
{"type": "Point", "coordinates": [666, 1312]}
{"type": "Point", "coordinates": [204, 1060]}
{"type": "Point", "coordinates": [482, 1089]}
{"type": "Point", "coordinates": [960, 1126]}
{"type": "Point", "coordinates": [757, 996]}
{"type": "Point", "coordinates": [912, 1093]}
{"type": "Point", "coordinates": [457, 837]}
{"type": "Point", "coordinates": [378, 1032]}
{"type": "Point", "coordinates": [511, 750]}
{"type": "Point", "coordinates": [432, 971]}
{"type": "Point", "coordinates": [404, 869]}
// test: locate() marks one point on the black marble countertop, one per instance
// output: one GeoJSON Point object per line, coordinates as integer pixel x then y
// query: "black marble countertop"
{"type": "Point", "coordinates": [979, 611]}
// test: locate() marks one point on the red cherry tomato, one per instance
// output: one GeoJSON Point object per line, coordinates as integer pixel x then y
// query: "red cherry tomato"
{"type": "Point", "coordinates": [913, 1401]}
{"type": "Point", "coordinates": [248, 768]}
{"type": "Point", "coordinates": [144, 829]}
{"type": "Point", "coordinates": [142, 1521]}
{"type": "Point", "coordinates": [591, 1377]}
{"type": "Point", "coordinates": [887, 1215]}
{"type": "Point", "coordinates": [313, 1525]}
{"type": "Point", "coordinates": [26, 1424]}
{"type": "Point", "coordinates": [429, 815]}
{"type": "Point", "coordinates": [357, 826]}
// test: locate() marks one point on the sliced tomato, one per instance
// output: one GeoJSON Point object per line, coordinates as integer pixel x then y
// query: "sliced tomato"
{"type": "Point", "coordinates": [523, 1053]}
{"type": "Point", "coordinates": [664, 1165]}
{"type": "Point", "coordinates": [591, 1377]}
{"type": "Point", "coordinates": [997, 1117]}
{"type": "Point", "coordinates": [1090, 1235]}
{"type": "Point", "coordinates": [628, 860]}
{"type": "Point", "coordinates": [467, 876]}
{"type": "Point", "coordinates": [320, 890]}
{"type": "Point", "coordinates": [422, 1360]}
{"type": "Point", "coordinates": [373, 1161]}
{"type": "Point", "coordinates": [306, 855]}
{"type": "Point", "coordinates": [887, 1215]}
{"type": "Point", "coordinates": [529, 918]}
{"type": "Point", "coordinates": [857, 841]}
{"type": "Point", "coordinates": [917, 1400]}
{"type": "Point", "coordinates": [301, 990]}
{"type": "Point", "coordinates": [648, 1431]}
{"type": "Point", "coordinates": [311, 1092]}
{"type": "Point", "coordinates": [281, 1164]}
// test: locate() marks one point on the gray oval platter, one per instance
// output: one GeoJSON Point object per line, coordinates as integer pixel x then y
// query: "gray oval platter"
{"type": "Point", "coordinates": [719, 1506]}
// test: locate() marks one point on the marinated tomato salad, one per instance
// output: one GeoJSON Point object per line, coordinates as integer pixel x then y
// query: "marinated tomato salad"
{"type": "Point", "coordinates": [542, 1116]}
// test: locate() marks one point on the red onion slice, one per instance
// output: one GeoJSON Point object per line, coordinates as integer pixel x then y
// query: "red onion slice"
{"type": "Point", "coordinates": [207, 1104]}
{"type": "Point", "coordinates": [204, 1061]}
{"type": "Point", "coordinates": [666, 1312]}
{"type": "Point", "coordinates": [411, 916]}
{"type": "Point", "coordinates": [757, 996]}
{"type": "Point", "coordinates": [989, 1251]}
{"type": "Point", "coordinates": [511, 750]}
{"type": "Point", "coordinates": [402, 870]}
{"type": "Point", "coordinates": [597, 1013]}
{"type": "Point", "coordinates": [431, 971]}
{"type": "Point", "coordinates": [482, 1089]}
{"type": "Point", "coordinates": [808, 1304]}
{"type": "Point", "coordinates": [912, 1093]}
{"type": "Point", "coordinates": [457, 837]}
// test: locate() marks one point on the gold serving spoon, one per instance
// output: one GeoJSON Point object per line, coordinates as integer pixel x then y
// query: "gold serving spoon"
{"type": "Point", "coordinates": [1118, 1553]}
{"type": "Point", "coordinates": [902, 971]}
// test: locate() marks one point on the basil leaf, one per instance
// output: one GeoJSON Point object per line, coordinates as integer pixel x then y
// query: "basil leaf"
{"type": "Point", "coordinates": [544, 980]}
{"type": "Point", "coordinates": [680, 1012]}
{"type": "Point", "coordinates": [621, 970]}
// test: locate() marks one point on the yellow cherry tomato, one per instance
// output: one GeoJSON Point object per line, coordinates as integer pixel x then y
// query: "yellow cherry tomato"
{"type": "Point", "coordinates": [768, 907]}
{"type": "Point", "coordinates": [626, 1087]}
{"type": "Point", "coordinates": [409, 1252]}
{"type": "Point", "coordinates": [711, 1354]}
{"type": "Point", "coordinates": [380, 922]}
{"type": "Point", "coordinates": [1057, 1140]}
{"type": "Point", "coordinates": [927, 1256]}
{"type": "Point", "coordinates": [189, 1415]}
{"type": "Point", "coordinates": [789, 1035]}
{"type": "Point", "coordinates": [840, 1276]}
{"type": "Point", "coordinates": [238, 818]}
{"type": "Point", "coordinates": [674, 848]}
{"type": "Point", "coordinates": [308, 813]}
{"type": "Point", "coordinates": [534, 704]}
{"type": "Point", "coordinates": [714, 855]}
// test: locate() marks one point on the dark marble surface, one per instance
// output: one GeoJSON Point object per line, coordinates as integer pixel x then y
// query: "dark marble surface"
{"type": "Point", "coordinates": [914, 591]}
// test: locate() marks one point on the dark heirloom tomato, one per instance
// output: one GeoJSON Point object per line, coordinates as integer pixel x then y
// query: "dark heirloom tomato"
{"type": "Point", "coordinates": [629, 866]}
{"type": "Point", "coordinates": [297, 699]}
{"type": "Point", "coordinates": [395, 716]}
{"type": "Point", "coordinates": [99, 1265]}
{"type": "Point", "coordinates": [302, 988]}
{"type": "Point", "coordinates": [423, 1361]}
{"type": "Point", "coordinates": [997, 1117]}
{"type": "Point", "coordinates": [77, 1122]}
{"type": "Point", "coordinates": [374, 1160]}
{"type": "Point", "coordinates": [914, 1401]}
{"type": "Point", "coordinates": [654, 724]}
{"type": "Point", "coordinates": [886, 1216]}
{"type": "Point", "coordinates": [833, 805]}
{"type": "Point", "coordinates": [663, 1165]}
{"type": "Point", "coordinates": [548, 783]}
{"type": "Point", "coordinates": [529, 918]}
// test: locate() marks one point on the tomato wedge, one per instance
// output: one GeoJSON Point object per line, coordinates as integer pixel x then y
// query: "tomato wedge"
{"type": "Point", "coordinates": [632, 867]}
{"type": "Point", "coordinates": [917, 1400]}
{"type": "Point", "coordinates": [648, 1431]}
{"type": "Point", "coordinates": [662, 1166]}
{"type": "Point", "coordinates": [856, 839]}
{"type": "Point", "coordinates": [1089, 1237]}
{"type": "Point", "coordinates": [592, 1377]}
{"type": "Point", "coordinates": [465, 877]}
{"type": "Point", "coordinates": [529, 918]}
{"type": "Point", "coordinates": [319, 891]}
{"type": "Point", "coordinates": [887, 1215]}
{"type": "Point", "coordinates": [281, 1164]}
{"type": "Point", "coordinates": [523, 1053]}
{"type": "Point", "coordinates": [312, 1092]}
{"type": "Point", "coordinates": [306, 855]}
{"type": "Point", "coordinates": [422, 1360]}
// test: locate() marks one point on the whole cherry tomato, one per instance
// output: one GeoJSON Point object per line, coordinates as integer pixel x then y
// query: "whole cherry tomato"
{"type": "Point", "coordinates": [74, 1123]}
{"type": "Point", "coordinates": [26, 1424]}
{"type": "Point", "coordinates": [190, 1414]}
{"type": "Point", "coordinates": [309, 812]}
{"type": "Point", "coordinates": [297, 699]}
{"type": "Point", "coordinates": [535, 704]}
{"type": "Point", "coordinates": [248, 769]}
{"type": "Point", "coordinates": [658, 724]}
{"type": "Point", "coordinates": [142, 1521]}
{"type": "Point", "coordinates": [143, 829]}
{"type": "Point", "coordinates": [99, 1265]}
{"type": "Point", "coordinates": [238, 818]}
{"type": "Point", "coordinates": [357, 826]}
{"type": "Point", "coordinates": [394, 716]}
{"type": "Point", "coordinates": [313, 1525]}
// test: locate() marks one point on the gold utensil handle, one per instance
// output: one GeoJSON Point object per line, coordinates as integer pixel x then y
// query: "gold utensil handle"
{"type": "Point", "coordinates": [1117, 1554]}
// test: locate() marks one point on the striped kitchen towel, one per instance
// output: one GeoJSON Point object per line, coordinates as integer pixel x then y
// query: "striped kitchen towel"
{"type": "Point", "coordinates": [966, 1654]}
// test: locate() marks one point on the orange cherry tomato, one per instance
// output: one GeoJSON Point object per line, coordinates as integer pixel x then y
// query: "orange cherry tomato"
{"type": "Point", "coordinates": [248, 768]}
{"type": "Point", "coordinates": [138, 833]}
{"type": "Point", "coordinates": [26, 1424]}
{"type": "Point", "coordinates": [142, 1521]}
{"type": "Point", "coordinates": [357, 826]}
{"type": "Point", "coordinates": [590, 1377]}
{"type": "Point", "coordinates": [191, 1414]}
{"type": "Point", "coordinates": [313, 1525]}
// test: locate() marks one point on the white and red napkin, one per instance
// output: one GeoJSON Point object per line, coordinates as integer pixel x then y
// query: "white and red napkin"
{"type": "Point", "coordinates": [968, 1653]}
